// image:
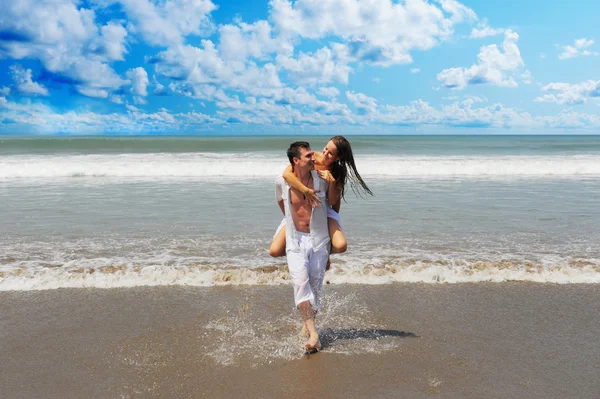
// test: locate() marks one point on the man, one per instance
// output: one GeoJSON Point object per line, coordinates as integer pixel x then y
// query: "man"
{"type": "Point", "coordinates": [307, 236]}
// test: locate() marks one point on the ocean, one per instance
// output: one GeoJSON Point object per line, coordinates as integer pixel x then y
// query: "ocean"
{"type": "Point", "coordinates": [200, 211]}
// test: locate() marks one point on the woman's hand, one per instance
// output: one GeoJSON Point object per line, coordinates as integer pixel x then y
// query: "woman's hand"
{"type": "Point", "coordinates": [311, 196]}
{"type": "Point", "coordinates": [326, 175]}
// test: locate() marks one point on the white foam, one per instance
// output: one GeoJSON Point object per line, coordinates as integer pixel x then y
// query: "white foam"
{"type": "Point", "coordinates": [21, 276]}
{"type": "Point", "coordinates": [261, 165]}
{"type": "Point", "coordinates": [236, 335]}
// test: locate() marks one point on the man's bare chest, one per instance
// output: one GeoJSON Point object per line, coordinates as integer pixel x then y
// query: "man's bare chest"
{"type": "Point", "coordinates": [297, 199]}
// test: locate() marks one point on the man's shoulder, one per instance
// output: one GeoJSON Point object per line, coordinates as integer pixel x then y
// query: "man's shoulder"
{"type": "Point", "coordinates": [280, 181]}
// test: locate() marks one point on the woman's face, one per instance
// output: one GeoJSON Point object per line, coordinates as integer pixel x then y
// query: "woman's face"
{"type": "Point", "coordinates": [329, 153]}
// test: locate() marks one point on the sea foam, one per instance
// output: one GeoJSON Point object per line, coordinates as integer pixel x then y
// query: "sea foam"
{"type": "Point", "coordinates": [200, 166]}
{"type": "Point", "coordinates": [112, 273]}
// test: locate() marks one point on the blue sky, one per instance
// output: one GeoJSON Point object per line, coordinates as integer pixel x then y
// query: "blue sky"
{"type": "Point", "coordinates": [311, 66]}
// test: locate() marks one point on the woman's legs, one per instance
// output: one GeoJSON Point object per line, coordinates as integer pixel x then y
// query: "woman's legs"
{"type": "Point", "coordinates": [338, 239]}
{"type": "Point", "coordinates": [278, 244]}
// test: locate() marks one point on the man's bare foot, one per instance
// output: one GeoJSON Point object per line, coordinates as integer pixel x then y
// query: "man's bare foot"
{"type": "Point", "coordinates": [313, 342]}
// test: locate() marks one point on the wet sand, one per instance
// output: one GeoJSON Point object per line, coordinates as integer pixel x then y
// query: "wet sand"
{"type": "Point", "coordinates": [509, 340]}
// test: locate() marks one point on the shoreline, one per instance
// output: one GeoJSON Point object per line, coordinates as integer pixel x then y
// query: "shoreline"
{"type": "Point", "coordinates": [526, 340]}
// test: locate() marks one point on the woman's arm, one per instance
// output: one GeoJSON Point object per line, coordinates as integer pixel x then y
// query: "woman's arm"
{"type": "Point", "coordinates": [333, 193]}
{"type": "Point", "coordinates": [293, 181]}
{"type": "Point", "coordinates": [318, 157]}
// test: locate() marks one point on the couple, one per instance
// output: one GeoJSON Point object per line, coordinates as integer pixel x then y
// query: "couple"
{"type": "Point", "coordinates": [310, 201]}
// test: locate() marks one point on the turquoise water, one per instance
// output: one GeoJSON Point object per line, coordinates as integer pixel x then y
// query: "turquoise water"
{"type": "Point", "coordinates": [400, 145]}
{"type": "Point", "coordinates": [201, 211]}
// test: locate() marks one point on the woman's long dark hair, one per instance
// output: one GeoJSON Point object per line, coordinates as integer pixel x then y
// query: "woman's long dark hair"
{"type": "Point", "coordinates": [344, 169]}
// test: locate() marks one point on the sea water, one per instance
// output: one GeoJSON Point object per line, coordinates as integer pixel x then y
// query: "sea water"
{"type": "Point", "coordinates": [128, 211]}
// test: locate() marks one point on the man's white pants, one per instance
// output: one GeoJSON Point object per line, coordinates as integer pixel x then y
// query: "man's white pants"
{"type": "Point", "coordinates": [307, 270]}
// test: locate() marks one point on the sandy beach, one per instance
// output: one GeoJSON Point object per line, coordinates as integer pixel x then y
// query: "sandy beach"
{"type": "Point", "coordinates": [510, 340]}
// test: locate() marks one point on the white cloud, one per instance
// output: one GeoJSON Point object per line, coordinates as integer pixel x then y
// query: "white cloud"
{"type": "Point", "coordinates": [66, 40]}
{"type": "Point", "coordinates": [37, 117]}
{"type": "Point", "coordinates": [139, 81]}
{"type": "Point", "coordinates": [484, 30]}
{"type": "Point", "coordinates": [329, 92]}
{"type": "Point", "coordinates": [571, 119]}
{"type": "Point", "coordinates": [167, 23]}
{"type": "Point", "coordinates": [43, 23]}
{"type": "Point", "coordinates": [95, 77]}
{"type": "Point", "coordinates": [363, 103]}
{"type": "Point", "coordinates": [565, 93]}
{"type": "Point", "coordinates": [458, 114]}
{"type": "Point", "coordinates": [24, 84]}
{"type": "Point", "coordinates": [577, 49]}
{"type": "Point", "coordinates": [132, 108]}
{"type": "Point", "coordinates": [379, 32]}
{"type": "Point", "coordinates": [241, 70]}
{"type": "Point", "coordinates": [93, 92]}
{"type": "Point", "coordinates": [139, 100]}
{"type": "Point", "coordinates": [494, 67]}
{"type": "Point", "coordinates": [288, 106]}
{"type": "Point", "coordinates": [266, 111]}
{"type": "Point", "coordinates": [199, 71]}
{"type": "Point", "coordinates": [160, 90]}
{"type": "Point", "coordinates": [117, 99]}
{"type": "Point", "coordinates": [238, 42]}
{"type": "Point", "coordinates": [458, 11]}
{"type": "Point", "coordinates": [324, 66]}
{"type": "Point", "coordinates": [526, 77]}
{"type": "Point", "coordinates": [111, 43]}
{"type": "Point", "coordinates": [470, 100]}
{"type": "Point", "coordinates": [416, 112]}
{"type": "Point", "coordinates": [197, 117]}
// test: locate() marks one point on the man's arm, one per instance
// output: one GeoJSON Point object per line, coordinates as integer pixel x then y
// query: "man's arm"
{"type": "Point", "coordinates": [279, 187]}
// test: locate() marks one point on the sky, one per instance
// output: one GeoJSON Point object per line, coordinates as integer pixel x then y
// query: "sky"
{"type": "Point", "coordinates": [70, 67]}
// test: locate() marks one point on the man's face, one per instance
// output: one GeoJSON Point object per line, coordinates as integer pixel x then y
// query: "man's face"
{"type": "Point", "coordinates": [306, 160]}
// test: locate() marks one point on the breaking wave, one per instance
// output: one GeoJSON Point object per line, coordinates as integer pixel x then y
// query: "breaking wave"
{"type": "Point", "coordinates": [106, 273]}
{"type": "Point", "coordinates": [261, 165]}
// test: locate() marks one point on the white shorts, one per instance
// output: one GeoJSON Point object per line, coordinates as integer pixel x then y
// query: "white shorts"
{"type": "Point", "coordinates": [331, 214]}
{"type": "Point", "coordinates": [307, 271]}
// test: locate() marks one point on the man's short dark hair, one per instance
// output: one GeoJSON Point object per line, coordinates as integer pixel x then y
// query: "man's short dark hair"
{"type": "Point", "coordinates": [294, 150]}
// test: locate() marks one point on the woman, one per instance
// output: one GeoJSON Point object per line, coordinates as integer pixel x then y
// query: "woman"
{"type": "Point", "coordinates": [335, 165]}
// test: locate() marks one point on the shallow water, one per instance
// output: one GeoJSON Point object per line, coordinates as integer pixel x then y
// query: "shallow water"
{"type": "Point", "coordinates": [103, 213]}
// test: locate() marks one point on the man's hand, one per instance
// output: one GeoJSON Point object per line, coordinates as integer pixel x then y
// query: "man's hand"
{"type": "Point", "coordinates": [311, 196]}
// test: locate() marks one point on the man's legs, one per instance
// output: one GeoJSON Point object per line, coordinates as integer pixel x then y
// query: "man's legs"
{"type": "Point", "coordinates": [303, 270]}
{"type": "Point", "coordinates": [317, 262]}
{"type": "Point", "coordinates": [308, 315]}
